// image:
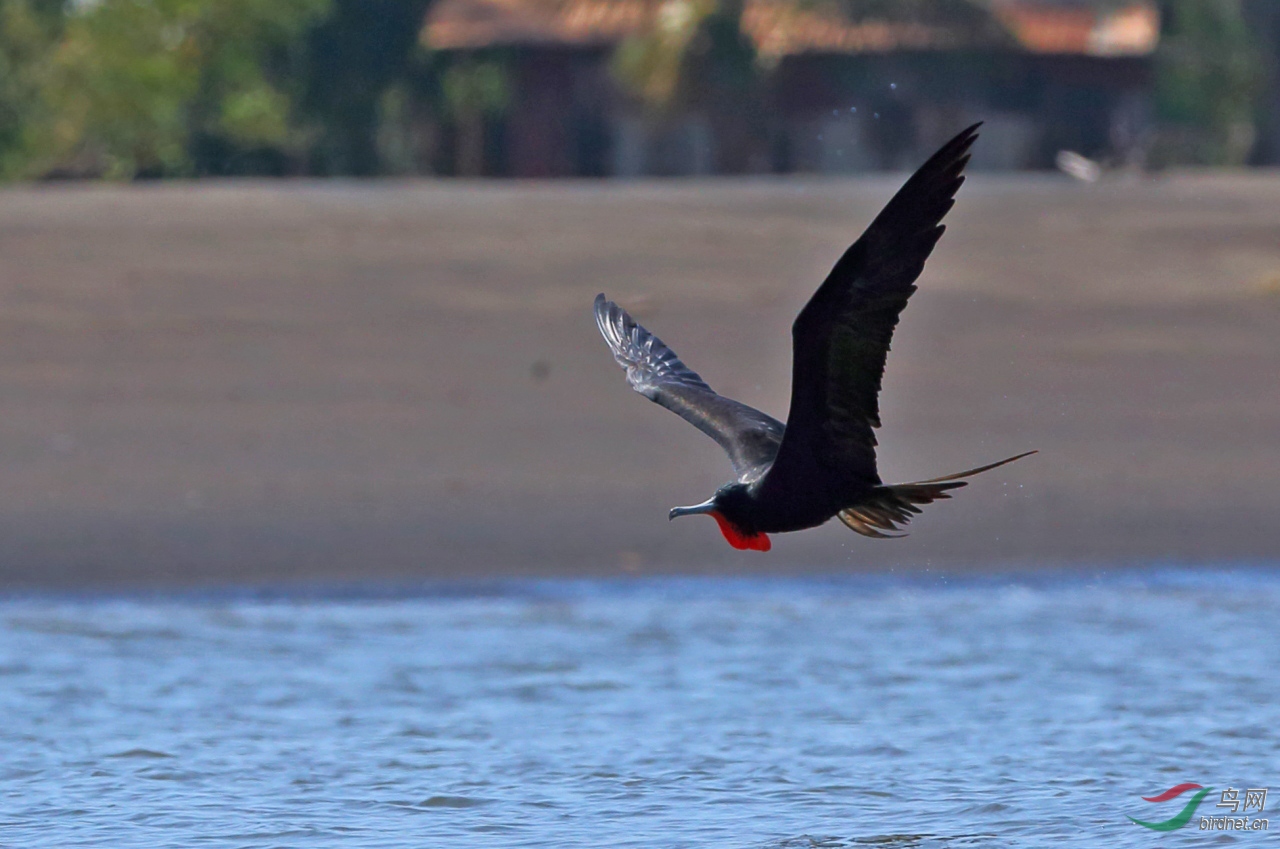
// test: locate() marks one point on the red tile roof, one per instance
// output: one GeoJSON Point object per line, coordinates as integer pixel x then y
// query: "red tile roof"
{"type": "Point", "coordinates": [783, 27]}
{"type": "Point", "coordinates": [1047, 27]}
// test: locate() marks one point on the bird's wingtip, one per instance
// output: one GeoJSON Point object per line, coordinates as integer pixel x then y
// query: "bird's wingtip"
{"type": "Point", "coordinates": [602, 308]}
{"type": "Point", "coordinates": [962, 142]}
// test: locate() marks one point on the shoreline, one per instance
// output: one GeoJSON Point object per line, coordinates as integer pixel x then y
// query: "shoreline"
{"type": "Point", "coordinates": [682, 585]}
{"type": "Point", "coordinates": [249, 382]}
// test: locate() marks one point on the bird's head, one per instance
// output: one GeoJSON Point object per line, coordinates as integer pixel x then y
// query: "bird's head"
{"type": "Point", "coordinates": [731, 508]}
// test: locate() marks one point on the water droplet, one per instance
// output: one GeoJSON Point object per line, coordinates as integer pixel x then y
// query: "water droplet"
{"type": "Point", "coordinates": [893, 85]}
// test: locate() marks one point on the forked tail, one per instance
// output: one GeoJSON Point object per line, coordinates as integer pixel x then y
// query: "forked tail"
{"type": "Point", "coordinates": [888, 507]}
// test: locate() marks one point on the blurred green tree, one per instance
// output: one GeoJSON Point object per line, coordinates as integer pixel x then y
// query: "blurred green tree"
{"type": "Point", "coordinates": [650, 65]}
{"type": "Point", "coordinates": [1209, 75]}
{"type": "Point", "coordinates": [29, 33]}
{"type": "Point", "coordinates": [143, 87]}
{"type": "Point", "coordinates": [354, 56]}
{"type": "Point", "coordinates": [697, 58]}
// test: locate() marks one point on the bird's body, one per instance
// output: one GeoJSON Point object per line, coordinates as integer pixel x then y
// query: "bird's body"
{"type": "Point", "coordinates": [822, 463]}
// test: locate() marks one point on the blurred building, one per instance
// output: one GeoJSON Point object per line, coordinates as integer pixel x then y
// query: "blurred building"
{"type": "Point", "coordinates": [834, 94]}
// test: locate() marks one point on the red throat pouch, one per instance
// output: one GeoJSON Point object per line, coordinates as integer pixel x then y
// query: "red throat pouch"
{"type": "Point", "coordinates": [739, 540]}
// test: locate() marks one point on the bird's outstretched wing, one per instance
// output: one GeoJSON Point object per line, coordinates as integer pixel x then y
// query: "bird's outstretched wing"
{"type": "Point", "coordinates": [841, 337]}
{"type": "Point", "coordinates": [748, 436]}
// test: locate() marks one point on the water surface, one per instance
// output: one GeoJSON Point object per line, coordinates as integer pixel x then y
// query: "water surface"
{"type": "Point", "coordinates": [652, 713]}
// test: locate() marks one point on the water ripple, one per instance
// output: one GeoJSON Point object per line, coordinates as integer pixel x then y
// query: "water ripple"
{"type": "Point", "coordinates": [685, 713]}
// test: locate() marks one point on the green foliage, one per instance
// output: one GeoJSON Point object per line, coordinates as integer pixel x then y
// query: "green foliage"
{"type": "Point", "coordinates": [475, 87]}
{"type": "Point", "coordinates": [250, 60]}
{"type": "Point", "coordinates": [28, 35]}
{"type": "Point", "coordinates": [695, 54]}
{"type": "Point", "coordinates": [134, 83]}
{"type": "Point", "coordinates": [125, 88]}
{"type": "Point", "coordinates": [360, 50]}
{"type": "Point", "coordinates": [698, 58]}
{"type": "Point", "coordinates": [254, 114]}
{"type": "Point", "coordinates": [119, 88]}
{"type": "Point", "coordinates": [650, 65]}
{"type": "Point", "coordinates": [1209, 75]}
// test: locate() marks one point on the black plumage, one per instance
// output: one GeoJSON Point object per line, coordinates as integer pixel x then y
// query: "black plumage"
{"type": "Point", "coordinates": [822, 463]}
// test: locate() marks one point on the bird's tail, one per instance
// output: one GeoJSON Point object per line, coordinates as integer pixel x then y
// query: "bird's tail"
{"type": "Point", "coordinates": [885, 508]}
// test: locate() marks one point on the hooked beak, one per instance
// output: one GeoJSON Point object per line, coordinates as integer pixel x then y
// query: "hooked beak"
{"type": "Point", "coordinates": [708, 506]}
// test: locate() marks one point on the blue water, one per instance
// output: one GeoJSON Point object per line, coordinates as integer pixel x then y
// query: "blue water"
{"type": "Point", "coordinates": [664, 713]}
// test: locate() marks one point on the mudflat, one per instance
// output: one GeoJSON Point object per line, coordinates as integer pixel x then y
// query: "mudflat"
{"type": "Point", "coordinates": [261, 382]}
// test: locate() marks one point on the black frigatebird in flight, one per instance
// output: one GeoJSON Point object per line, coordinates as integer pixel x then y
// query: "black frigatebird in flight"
{"type": "Point", "coordinates": [822, 463]}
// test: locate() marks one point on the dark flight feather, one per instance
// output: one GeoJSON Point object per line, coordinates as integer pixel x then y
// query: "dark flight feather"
{"type": "Point", "coordinates": [841, 338]}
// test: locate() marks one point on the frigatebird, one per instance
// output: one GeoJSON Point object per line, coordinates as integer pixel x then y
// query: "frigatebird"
{"type": "Point", "coordinates": [822, 463]}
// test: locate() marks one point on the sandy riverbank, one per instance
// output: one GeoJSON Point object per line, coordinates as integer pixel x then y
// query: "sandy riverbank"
{"type": "Point", "coordinates": [206, 383]}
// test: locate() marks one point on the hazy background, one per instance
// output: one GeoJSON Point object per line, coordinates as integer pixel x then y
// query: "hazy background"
{"type": "Point", "coordinates": [210, 380]}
